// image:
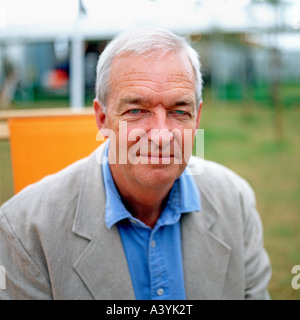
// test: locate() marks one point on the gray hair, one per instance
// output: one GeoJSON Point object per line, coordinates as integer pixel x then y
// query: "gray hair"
{"type": "Point", "coordinates": [143, 41]}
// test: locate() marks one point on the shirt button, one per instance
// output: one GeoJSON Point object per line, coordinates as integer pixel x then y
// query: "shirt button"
{"type": "Point", "coordinates": [160, 292]}
{"type": "Point", "coordinates": [153, 243]}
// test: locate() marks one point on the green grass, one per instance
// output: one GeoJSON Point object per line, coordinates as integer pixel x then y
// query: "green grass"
{"type": "Point", "coordinates": [244, 142]}
{"type": "Point", "coordinates": [6, 185]}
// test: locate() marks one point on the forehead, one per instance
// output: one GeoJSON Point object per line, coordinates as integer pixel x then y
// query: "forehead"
{"type": "Point", "coordinates": [156, 72]}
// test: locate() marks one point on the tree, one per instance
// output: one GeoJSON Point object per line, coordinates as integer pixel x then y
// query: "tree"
{"type": "Point", "coordinates": [275, 61]}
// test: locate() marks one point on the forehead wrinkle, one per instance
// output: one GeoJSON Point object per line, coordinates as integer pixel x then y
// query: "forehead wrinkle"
{"type": "Point", "coordinates": [158, 77]}
{"type": "Point", "coordinates": [156, 87]}
{"type": "Point", "coordinates": [179, 82]}
{"type": "Point", "coordinates": [152, 79]}
{"type": "Point", "coordinates": [141, 92]}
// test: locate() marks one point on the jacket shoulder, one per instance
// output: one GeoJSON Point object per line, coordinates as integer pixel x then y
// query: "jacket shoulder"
{"type": "Point", "coordinates": [47, 205]}
{"type": "Point", "coordinates": [48, 189]}
{"type": "Point", "coordinates": [215, 177]}
{"type": "Point", "coordinates": [33, 225]}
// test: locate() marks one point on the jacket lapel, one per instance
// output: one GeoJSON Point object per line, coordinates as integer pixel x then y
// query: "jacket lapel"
{"type": "Point", "coordinates": [205, 256]}
{"type": "Point", "coordinates": [102, 265]}
{"type": "Point", "coordinates": [205, 260]}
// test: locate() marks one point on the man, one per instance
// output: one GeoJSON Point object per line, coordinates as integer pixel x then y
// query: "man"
{"type": "Point", "coordinates": [136, 220]}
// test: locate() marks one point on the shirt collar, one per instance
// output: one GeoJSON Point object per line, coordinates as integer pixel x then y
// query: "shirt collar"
{"type": "Point", "coordinates": [184, 197]}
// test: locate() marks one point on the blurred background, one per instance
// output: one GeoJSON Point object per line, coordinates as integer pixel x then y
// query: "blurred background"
{"type": "Point", "coordinates": [250, 55]}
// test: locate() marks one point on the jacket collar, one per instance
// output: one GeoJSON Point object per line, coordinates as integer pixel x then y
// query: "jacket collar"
{"type": "Point", "coordinates": [205, 255]}
{"type": "Point", "coordinates": [91, 203]}
{"type": "Point", "coordinates": [91, 200]}
{"type": "Point", "coordinates": [111, 279]}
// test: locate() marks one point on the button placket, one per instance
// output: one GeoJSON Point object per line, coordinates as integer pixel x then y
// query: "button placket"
{"type": "Point", "coordinates": [157, 267]}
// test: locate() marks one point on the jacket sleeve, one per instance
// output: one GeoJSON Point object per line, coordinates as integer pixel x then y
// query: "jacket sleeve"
{"type": "Point", "coordinates": [257, 264]}
{"type": "Point", "coordinates": [21, 277]}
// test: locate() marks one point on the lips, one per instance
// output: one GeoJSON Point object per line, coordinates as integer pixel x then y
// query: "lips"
{"type": "Point", "coordinates": [153, 155]}
{"type": "Point", "coordinates": [156, 159]}
{"type": "Point", "coordinates": [157, 152]}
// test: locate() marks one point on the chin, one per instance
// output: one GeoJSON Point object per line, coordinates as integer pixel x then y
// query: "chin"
{"type": "Point", "coordinates": [159, 174]}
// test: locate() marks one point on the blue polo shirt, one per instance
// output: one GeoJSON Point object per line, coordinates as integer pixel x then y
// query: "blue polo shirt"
{"type": "Point", "coordinates": [154, 255]}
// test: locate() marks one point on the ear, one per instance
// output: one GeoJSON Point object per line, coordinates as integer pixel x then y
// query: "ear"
{"type": "Point", "coordinates": [199, 115]}
{"type": "Point", "coordinates": [99, 114]}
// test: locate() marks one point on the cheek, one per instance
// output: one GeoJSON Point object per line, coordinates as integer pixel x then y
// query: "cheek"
{"type": "Point", "coordinates": [183, 143]}
{"type": "Point", "coordinates": [129, 140]}
{"type": "Point", "coordinates": [130, 134]}
{"type": "Point", "coordinates": [184, 136]}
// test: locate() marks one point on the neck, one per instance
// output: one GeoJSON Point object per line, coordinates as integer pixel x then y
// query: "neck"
{"type": "Point", "coordinates": [147, 213]}
{"type": "Point", "coordinates": [144, 203]}
{"type": "Point", "coordinates": [147, 210]}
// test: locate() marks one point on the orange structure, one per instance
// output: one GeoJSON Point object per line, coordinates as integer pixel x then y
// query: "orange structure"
{"type": "Point", "coordinates": [43, 145]}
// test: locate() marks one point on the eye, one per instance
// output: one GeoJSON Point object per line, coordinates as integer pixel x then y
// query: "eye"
{"type": "Point", "coordinates": [179, 113]}
{"type": "Point", "coordinates": [134, 111]}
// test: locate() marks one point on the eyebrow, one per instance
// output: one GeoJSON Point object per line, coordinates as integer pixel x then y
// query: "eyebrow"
{"type": "Point", "coordinates": [133, 100]}
{"type": "Point", "coordinates": [138, 100]}
{"type": "Point", "coordinates": [183, 102]}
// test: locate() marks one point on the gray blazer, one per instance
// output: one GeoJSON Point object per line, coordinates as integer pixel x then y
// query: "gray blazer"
{"type": "Point", "coordinates": [54, 243]}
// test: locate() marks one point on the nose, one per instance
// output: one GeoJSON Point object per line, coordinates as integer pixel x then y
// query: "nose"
{"type": "Point", "coordinates": [160, 133]}
{"type": "Point", "coordinates": [161, 137]}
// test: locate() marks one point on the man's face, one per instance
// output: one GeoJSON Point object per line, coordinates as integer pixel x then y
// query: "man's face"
{"type": "Point", "coordinates": [153, 98]}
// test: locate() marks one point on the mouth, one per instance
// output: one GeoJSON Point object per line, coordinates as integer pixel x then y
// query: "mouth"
{"type": "Point", "coordinates": [160, 158]}
{"type": "Point", "coordinates": [156, 155]}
